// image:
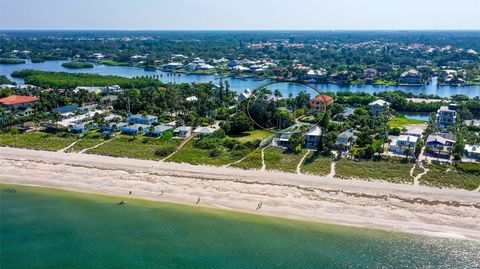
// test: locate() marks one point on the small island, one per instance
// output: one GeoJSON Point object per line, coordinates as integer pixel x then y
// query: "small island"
{"type": "Point", "coordinates": [77, 65]}
{"type": "Point", "coordinates": [11, 61]}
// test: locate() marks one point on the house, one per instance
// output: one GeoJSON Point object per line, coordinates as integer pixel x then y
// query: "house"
{"type": "Point", "coordinates": [182, 131]}
{"type": "Point", "coordinates": [446, 116]}
{"type": "Point", "coordinates": [114, 126]}
{"type": "Point", "coordinates": [141, 119]}
{"type": "Point", "coordinates": [472, 152]}
{"type": "Point", "coordinates": [25, 111]}
{"type": "Point", "coordinates": [283, 141]}
{"type": "Point", "coordinates": [411, 77]}
{"type": "Point", "coordinates": [312, 137]}
{"type": "Point", "coordinates": [378, 107]}
{"type": "Point", "coordinates": [205, 130]}
{"type": "Point", "coordinates": [440, 144]}
{"type": "Point", "coordinates": [244, 95]}
{"type": "Point", "coordinates": [191, 99]}
{"type": "Point", "coordinates": [93, 89]}
{"type": "Point", "coordinates": [403, 143]}
{"type": "Point", "coordinates": [370, 72]}
{"type": "Point", "coordinates": [320, 103]}
{"type": "Point", "coordinates": [112, 89]}
{"type": "Point", "coordinates": [134, 129]}
{"type": "Point", "coordinates": [82, 127]}
{"type": "Point", "coordinates": [346, 140]}
{"type": "Point", "coordinates": [16, 101]}
{"type": "Point", "coordinates": [316, 74]}
{"type": "Point", "coordinates": [158, 130]}
{"type": "Point", "coordinates": [173, 66]}
{"type": "Point", "coordinates": [342, 77]}
{"type": "Point", "coordinates": [109, 100]}
{"type": "Point", "coordinates": [65, 109]}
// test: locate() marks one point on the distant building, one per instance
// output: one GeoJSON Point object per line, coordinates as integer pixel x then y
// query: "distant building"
{"type": "Point", "coordinates": [244, 95]}
{"type": "Point", "coordinates": [109, 100]}
{"type": "Point", "coordinates": [93, 89]}
{"type": "Point", "coordinates": [411, 77]}
{"type": "Point", "coordinates": [446, 116]}
{"type": "Point", "coordinates": [205, 130]}
{"type": "Point", "coordinates": [370, 72]}
{"type": "Point", "coordinates": [312, 137]}
{"type": "Point", "coordinates": [173, 66]}
{"type": "Point", "coordinates": [283, 141]}
{"type": "Point", "coordinates": [17, 101]}
{"type": "Point", "coordinates": [316, 74]}
{"type": "Point", "coordinates": [182, 131]}
{"type": "Point", "coordinates": [158, 130]}
{"type": "Point", "coordinates": [134, 129]}
{"type": "Point", "coordinates": [82, 127]}
{"type": "Point", "coordinates": [140, 119]}
{"type": "Point", "coordinates": [379, 107]}
{"type": "Point", "coordinates": [320, 103]}
{"type": "Point", "coordinates": [472, 152]}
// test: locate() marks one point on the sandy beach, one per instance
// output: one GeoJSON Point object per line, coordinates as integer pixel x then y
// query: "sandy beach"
{"type": "Point", "coordinates": [415, 209]}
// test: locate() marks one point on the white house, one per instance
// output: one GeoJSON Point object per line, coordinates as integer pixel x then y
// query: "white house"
{"type": "Point", "coordinates": [403, 143]}
{"type": "Point", "coordinates": [411, 77]}
{"type": "Point", "coordinates": [182, 131]}
{"type": "Point", "coordinates": [378, 107]}
{"type": "Point", "coordinates": [472, 152]}
{"type": "Point", "coordinates": [312, 137]}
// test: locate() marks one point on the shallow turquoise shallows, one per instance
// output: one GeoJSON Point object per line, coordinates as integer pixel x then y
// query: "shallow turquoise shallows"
{"type": "Point", "coordinates": [44, 228]}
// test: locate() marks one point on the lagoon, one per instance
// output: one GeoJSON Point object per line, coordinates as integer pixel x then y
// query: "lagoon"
{"type": "Point", "coordinates": [238, 84]}
{"type": "Point", "coordinates": [46, 228]}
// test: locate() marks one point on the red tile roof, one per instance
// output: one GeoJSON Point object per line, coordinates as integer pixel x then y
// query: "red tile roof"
{"type": "Point", "coordinates": [17, 99]}
{"type": "Point", "coordinates": [322, 98]}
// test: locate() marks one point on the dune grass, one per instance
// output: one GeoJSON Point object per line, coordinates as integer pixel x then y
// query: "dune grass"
{"type": "Point", "coordinates": [252, 135]}
{"type": "Point", "coordinates": [388, 169]}
{"type": "Point", "coordinates": [277, 159]}
{"type": "Point", "coordinates": [450, 177]}
{"type": "Point", "coordinates": [88, 141]}
{"type": "Point", "coordinates": [139, 148]}
{"type": "Point", "coordinates": [252, 161]}
{"type": "Point", "coordinates": [38, 141]}
{"type": "Point", "coordinates": [316, 164]}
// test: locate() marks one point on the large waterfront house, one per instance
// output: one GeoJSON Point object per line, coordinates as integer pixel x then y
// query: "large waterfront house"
{"type": "Point", "coordinates": [440, 145]}
{"type": "Point", "coordinates": [446, 116]}
{"type": "Point", "coordinates": [142, 119]}
{"type": "Point", "coordinates": [135, 129]}
{"type": "Point", "coordinates": [404, 143]}
{"type": "Point", "coordinates": [316, 74]}
{"type": "Point", "coordinates": [244, 95]}
{"type": "Point", "coordinates": [411, 77]}
{"type": "Point", "coordinates": [345, 140]}
{"type": "Point", "coordinates": [17, 101]}
{"type": "Point", "coordinates": [182, 131]}
{"type": "Point", "coordinates": [379, 107]}
{"type": "Point", "coordinates": [320, 103]}
{"type": "Point", "coordinates": [312, 137]}
{"type": "Point", "coordinates": [158, 130]}
{"type": "Point", "coordinates": [472, 152]}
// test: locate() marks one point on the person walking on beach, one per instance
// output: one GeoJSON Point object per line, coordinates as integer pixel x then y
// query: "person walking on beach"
{"type": "Point", "coordinates": [198, 201]}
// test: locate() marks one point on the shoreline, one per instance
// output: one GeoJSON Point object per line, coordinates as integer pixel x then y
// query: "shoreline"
{"type": "Point", "coordinates": [423, 210]}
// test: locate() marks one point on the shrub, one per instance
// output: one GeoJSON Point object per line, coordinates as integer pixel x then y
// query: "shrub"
{"type": "Point", "coordinates": [215, 152]}
{"type": "Point", "coordinates": [164, 151]}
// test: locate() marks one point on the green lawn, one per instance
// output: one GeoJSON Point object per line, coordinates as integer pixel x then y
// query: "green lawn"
{"type": "Point", "coordinates": [252, 135]}
{"type": "Point", "coordinates": [139, 148]}
{"type": "Point", "coordinates": [252, 161]}
{"type": "Point", "coordinates": [38, 141]}
{"type": "Point", "coordinates": [450, 177]}
{"type": "Point", "coordinates": [193, 155]}
{"type": "Point", "coordinates": [400, 122]}
{"type": "Point", "coordinates": [315, 164]}
{"type": "Point", "coordinates": [276, 159]}
{"type": "Point", "coordinates": [389, 169]}
{"type": "Point", "coordinates": [88, 141]}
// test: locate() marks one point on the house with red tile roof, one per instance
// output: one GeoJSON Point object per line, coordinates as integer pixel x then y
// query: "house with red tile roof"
{"type": "Point", "coordinates": [320, 103]}
{"type": "Point", "coordinates": [16, 101]}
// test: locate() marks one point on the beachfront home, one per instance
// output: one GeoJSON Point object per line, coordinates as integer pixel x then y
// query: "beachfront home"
{"type": "Point", "coordinates": [283, 141]}
{"type": "Point", "coordinates": [182, 131]}
{"type": "Point", "coordinates": [203, 131]}
{"type": "Point", "coordinates": [320, 103]}
{"type": "Point", "coordinates": [141, 119]}
{"type": "Point", "coordinates": [17, 101]}
{"type": "Point", "coordinates": [158, 130]}
{"type": "Point", "coordinates": [379, 107]}
{"type": "Point", "coordinates": [411, 77]}
{"type": "Point", "coordinates": [312, 137]}
{"type": "Point", "coordinates": [440, 145]}
{"type": "Point", "coordinates": [346, 140]}
{"type": "Point", "coordinates": [404, 143]}
{"type": "Point", "coordinates": [114, 126]}
{"type": "Point", "coordinates": [82, 127]}
{"type": "Point", "coordinates": [472, 152]}
{"type": "Point", "coordinates": [134, 129]}
{"type": "Point", "coordinates": [446, 116]}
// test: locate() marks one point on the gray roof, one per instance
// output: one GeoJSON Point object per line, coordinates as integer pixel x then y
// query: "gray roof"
{"type": "Point", "coordinates": [163, 128]}
{"type": "Point", "coordinates": [183, 129]}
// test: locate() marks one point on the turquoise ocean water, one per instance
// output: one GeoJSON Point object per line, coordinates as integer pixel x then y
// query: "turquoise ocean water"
{"type": "Point", "coordinates": [44, 228]}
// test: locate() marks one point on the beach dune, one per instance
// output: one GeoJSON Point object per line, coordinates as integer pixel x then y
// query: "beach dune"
{"type": "Point", "coordinates": [375, 204]}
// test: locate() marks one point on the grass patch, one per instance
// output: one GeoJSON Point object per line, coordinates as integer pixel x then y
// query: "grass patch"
{"type": "Point", "coordinates": [114, 63]}
{"type": "Point", "coordinates": [278, 160]}
{"type": "Point", "coordinates": [316, 164]}
{"type": "Point", "coordinates": [88, 141]}
{"type": "Point", "coordinates": [417, 170]}
{"type": "Point", "coordinates": [252, 161]}
{"type": "Point", "coordinates": [12, 61]}
{"type": "Point", "coordinates": [450, 177]}
{"type": "Point", "coordinates": [252, 135]}
{"type": "Point", "coordinates": [193, 155]}
{"type": "Point", "coordinates": [389, 169]}
{"type": "Point", "coordinates": [38, 141]}
{"type": "Point", "coordinates": [400, 122]}
{"type": "Point", "coordinates": [77, 65]}
{"type": "Point", "coordinates": [139, 148]}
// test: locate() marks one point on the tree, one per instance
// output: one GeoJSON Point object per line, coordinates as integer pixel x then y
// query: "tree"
{"type": "Point", "coordinates": [239, 123]}
{"type": "Point", "coordinates": [296, 143]}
